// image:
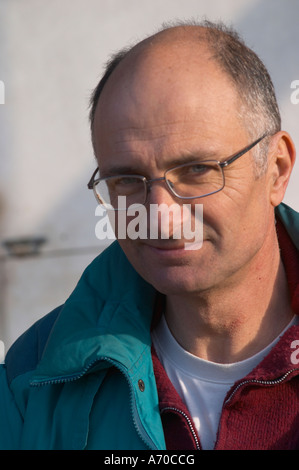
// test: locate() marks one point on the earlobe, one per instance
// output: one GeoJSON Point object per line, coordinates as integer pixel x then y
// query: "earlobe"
{"type": "Point", "coordinates": [282, 155]}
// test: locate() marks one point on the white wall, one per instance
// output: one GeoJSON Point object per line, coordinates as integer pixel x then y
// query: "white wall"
{"type": "Point", "coordinates": [51, 56]}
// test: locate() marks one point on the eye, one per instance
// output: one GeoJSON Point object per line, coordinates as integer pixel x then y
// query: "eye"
{"type": "Point", "coordinates": [127, 181]}
{"type": "Point", "coordinates": [198, 169]}
{"type": "Point", "coordinates": [194, 170]}
{"type": "Point", "coordinates": [125, 185]}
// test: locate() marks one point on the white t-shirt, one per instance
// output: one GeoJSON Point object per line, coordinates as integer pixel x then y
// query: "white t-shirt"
{"type": "Point", "coordinates": [202, 384]}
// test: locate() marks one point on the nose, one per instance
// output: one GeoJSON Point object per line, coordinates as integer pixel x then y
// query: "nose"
{"type": "Point", "coordinates": [158, 192]}
{"type": "Point", "coordinates": [164, 212]}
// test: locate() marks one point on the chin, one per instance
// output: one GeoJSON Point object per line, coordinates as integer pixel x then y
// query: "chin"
{"type": "Point", "coordinates": [172, 280]}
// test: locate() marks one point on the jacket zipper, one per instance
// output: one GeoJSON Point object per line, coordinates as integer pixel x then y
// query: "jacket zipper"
{"type": "Point", "coordinates": [189, 422]}
{"type": "Point", "coordinates": [63, 379]}
{"type": "Point", "coordinates": [135, 416]}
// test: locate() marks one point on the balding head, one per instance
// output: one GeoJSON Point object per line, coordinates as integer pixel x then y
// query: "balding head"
{"type": "Point", "coordinates": [181, 47]}
{"type": "Point", "coordinates": [168, 69]}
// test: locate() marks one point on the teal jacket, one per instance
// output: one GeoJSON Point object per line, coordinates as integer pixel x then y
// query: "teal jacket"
{"type": "Point", "coordinates": [82, 377]}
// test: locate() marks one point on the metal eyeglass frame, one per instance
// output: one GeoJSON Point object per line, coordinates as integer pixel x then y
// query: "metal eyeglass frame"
{"type": "Point", "coordinates": [92, 182]}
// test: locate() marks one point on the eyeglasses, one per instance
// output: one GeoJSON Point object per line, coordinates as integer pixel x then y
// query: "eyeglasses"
{"type": "Point", "coordinates": [187, 181]}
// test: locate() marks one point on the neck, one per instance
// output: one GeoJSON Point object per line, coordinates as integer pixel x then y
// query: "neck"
{"type": "Point", "coordinates": [233, 322]}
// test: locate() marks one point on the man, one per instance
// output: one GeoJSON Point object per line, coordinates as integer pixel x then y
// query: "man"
{"type": "Point", "coordinates": [159, 346]}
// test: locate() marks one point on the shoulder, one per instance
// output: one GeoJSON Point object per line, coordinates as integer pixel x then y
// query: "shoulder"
{"type": "Point", "coordinates": [26, 352]}
{"type": "Point", "coordinates": [109, 277]}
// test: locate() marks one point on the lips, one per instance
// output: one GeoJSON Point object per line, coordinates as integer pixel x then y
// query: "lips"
{"type": "Point", "coordinates": [172, 249]}
{"type": "Point", "coordinates": [175, 247]}
{"type": "Point", "coordinates": [166, 245]}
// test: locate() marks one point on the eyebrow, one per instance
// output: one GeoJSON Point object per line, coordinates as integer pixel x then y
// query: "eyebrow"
{"type": "Point", "coordinates": [184, 158]}
{"type": "Point", "coordinates": [199, 155]}
{"type": "Point", "coordinates": [118, 170]}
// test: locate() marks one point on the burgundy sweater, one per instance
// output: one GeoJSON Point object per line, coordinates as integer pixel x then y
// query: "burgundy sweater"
{"type": "Point", "coordinates": [261, 411]}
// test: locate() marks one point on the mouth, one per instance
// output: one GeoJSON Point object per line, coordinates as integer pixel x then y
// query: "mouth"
{"type": "Point", "coordinates": [172, 247]}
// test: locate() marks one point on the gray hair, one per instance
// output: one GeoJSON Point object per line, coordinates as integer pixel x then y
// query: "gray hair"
{"type": "Point", "coordinates": [258, 111]}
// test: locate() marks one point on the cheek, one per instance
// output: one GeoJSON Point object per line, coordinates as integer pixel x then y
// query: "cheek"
{"type": "Point", "coordinates": [132, 251]}
{"type": "Point", "coordinates": [142, 263]}
{"type": "Point", "coordinates": [130, 225]}
{"type": "Point", "coordinates": [233, 217]}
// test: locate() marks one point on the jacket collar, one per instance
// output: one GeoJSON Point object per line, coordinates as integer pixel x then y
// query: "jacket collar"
{"type": "Point", "coordinates": [107, 316]}
{"type": "Point", "coordinates": [288, 238]}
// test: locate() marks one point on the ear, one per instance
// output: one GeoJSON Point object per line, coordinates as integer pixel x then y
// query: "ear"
{"type": "Point", "coordinates": [281, 159]}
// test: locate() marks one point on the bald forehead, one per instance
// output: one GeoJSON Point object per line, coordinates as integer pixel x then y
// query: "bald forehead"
{"type": "Point", "coordinates": [172, 60]}
{"type": "Point", "coordinates": [162, 93]}
{"type": "Point", "coordinates": [184, 36]}
{"type": "Point", "coordinates": [174, 46]}
{"type": "Point", "coordinates": [168, 75]}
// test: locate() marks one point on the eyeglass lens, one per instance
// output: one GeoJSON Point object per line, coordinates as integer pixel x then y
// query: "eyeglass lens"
{"type": "Point", "coordinates": [186, 181]}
